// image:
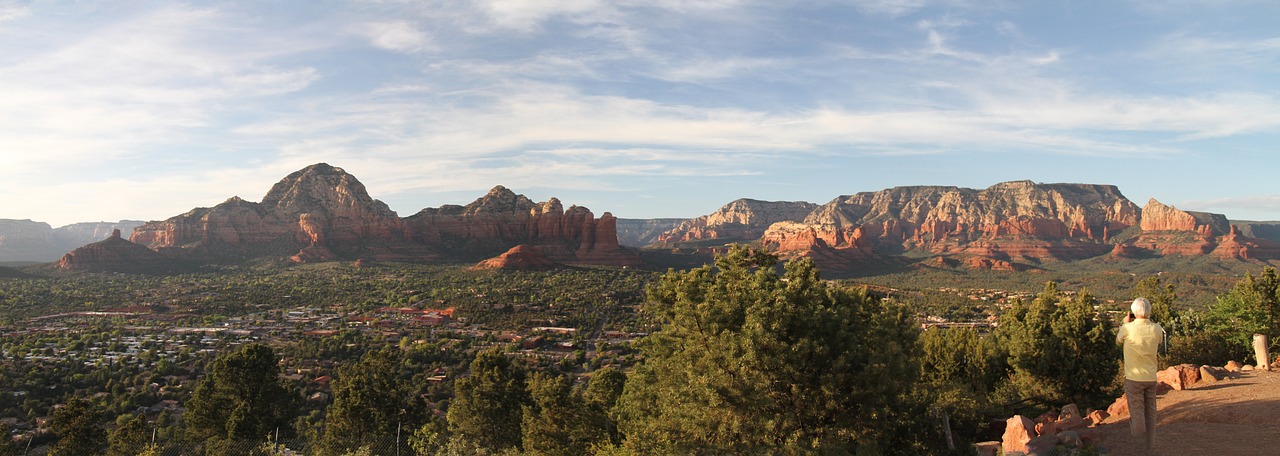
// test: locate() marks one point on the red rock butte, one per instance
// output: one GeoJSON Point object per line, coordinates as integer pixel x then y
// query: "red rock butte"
{"type": "Point", "coordinates": [322, 213]}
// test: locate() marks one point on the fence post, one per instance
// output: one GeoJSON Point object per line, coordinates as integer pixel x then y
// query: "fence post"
{"type": "Point", "coordinates": [1260, 351]}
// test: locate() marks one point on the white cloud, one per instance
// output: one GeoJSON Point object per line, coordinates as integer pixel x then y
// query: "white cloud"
{"type": "Point", "coordinates": [528, 16]}
{"type": "Point", "coordinates": [11, 10]}
{"type": "Point", "coordinates": [891, 8]}
{"type": "Point", "coordinates": [398, 36]}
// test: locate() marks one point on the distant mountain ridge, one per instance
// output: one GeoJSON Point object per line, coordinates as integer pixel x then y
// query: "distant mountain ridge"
{"type": "Point", "coordinates": [322, 213]}
{"type": "Point", "coordinates": [1010, 225]}
{"type": "Point", "coordinates": [26, 240]}
{"type": "Point", "coordinates": [742, 220]}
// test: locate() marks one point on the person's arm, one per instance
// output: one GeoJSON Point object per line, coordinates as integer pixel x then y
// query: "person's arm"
{"type": "Point", "coordinates": [1120, 335]}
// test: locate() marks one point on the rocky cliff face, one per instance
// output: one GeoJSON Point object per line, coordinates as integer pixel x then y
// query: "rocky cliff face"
{"type": "Point", "coordinates": [115, 254]}
{"type": "Point", "coordinates": [502, 218]}
{"type": "Point", "coordinates": [742, 220]}
{"type": "Point", "coordinates": [322, 213]}
{"type": "Point", "coordinates": [25, 240]}
{"type": "Point", "coordinates": [318, 212]}
{"type": "Point", "coordinates": [1020, 221]}
{"type": "Point", "coordinates": [642, 232]}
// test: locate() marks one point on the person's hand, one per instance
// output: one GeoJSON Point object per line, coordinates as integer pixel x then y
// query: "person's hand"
{"type": "Point", "coordinates": [1128, 318]}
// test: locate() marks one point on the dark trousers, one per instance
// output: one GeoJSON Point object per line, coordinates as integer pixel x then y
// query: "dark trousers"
{"type": "Point", "coordinates": [1142, 410]}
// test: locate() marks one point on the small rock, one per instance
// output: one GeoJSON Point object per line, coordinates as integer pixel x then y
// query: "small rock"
{"type": "Point", "coordinates": [1017, 432]}
{"type": "Point", "coordinates": [1048, 428]}
{"type": "Point", "coordinates": [1097, 417]}
{"type": "Point", "coordinates": [1208, 374]}
{"type": "Point", "coordinates": [987, 448]}
{"type": "Point", "coordinates": [1233, 366]}
{"type": "Point", "coordinates": [1069, 411]}
{"type": "Point", "coordinates": [1246, 368]}
{"type": "Point", "coordinates": [1070, 439]}
{"type": "Point", "coordinates": [1119, 408]}
{"type": "Point", "coordinates": [1042, 445]}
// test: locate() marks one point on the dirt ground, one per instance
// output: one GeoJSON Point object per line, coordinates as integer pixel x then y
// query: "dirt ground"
{"type": "Point", "coordinates": [1235, 416]}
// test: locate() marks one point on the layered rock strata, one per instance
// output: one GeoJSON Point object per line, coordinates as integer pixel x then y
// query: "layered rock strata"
{"type": "Point", "coordinates": [322, 213]}
{"type": "Point", "coordinates": [1012, 221]}
{"type": "Point", "coordinates": [742, 220]}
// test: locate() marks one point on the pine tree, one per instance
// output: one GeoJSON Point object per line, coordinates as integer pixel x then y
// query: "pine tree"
{"type": "Point", "coordinates": [369, 401]}
{"type": "Point", "coordinates": [1059, 350]}
{"type": "Point", "coordinates": [79, 429]}
{"type": "Point", "coordinates": [488, 403]}
{"type": "Point", "coordinates": [747, 362]}
{"type": "Point", "coordinates": [553, 423]}
{"type": "Point", "coordinates": [129, 439]}
{"type": "Point", "coordinates": [241, 399]}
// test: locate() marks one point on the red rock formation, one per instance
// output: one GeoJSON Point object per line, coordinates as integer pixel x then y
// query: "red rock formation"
{"type": "Point", "coordinates": [502, 219]}
{"type": "Point", "coordinates": [1012, 220]}
{"type": "Point", "coordinates": [322, 213]}
{"type": "Point", "coordinates": [116, 255]}
{"type": "Point", "coordinates": [1240, 247]}
{"type": "Point", "coordinates": [519, 257]}
{"type": "Point", "coordinates": [742, 220]}
{"type": "Point", "coordinates": [991, 264]}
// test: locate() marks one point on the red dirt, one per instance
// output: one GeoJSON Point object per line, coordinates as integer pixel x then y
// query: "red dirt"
{"type": "Point", "coordinates": [1236, 416]}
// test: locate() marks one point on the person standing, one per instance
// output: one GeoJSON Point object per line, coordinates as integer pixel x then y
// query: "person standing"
{"type": "Point", "coordinates": [1141, 338]}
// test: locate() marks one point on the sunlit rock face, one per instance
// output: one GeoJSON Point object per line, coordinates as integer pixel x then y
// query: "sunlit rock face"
{"type": "Point", "coordinates": [742, 220]}
{"type": "Point", "coordinates": [1011, 221]}
{"type": "Point", "coordinates": [322, 213]}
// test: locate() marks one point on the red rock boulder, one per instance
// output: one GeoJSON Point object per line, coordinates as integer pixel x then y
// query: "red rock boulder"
{"type": "Point", "coordinates": [1018, 431]}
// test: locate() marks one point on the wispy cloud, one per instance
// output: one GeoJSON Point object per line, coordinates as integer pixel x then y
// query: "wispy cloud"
{"type": "Point", "coordinates": [398, 36]}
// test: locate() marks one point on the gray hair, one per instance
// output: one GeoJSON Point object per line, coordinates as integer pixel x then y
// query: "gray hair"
{"type": "Point", "coordinates": [1141, 308]}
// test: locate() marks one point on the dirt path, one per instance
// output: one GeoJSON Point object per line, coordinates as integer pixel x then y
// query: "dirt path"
{"type": "Point", "coordinates": [1236, 416]}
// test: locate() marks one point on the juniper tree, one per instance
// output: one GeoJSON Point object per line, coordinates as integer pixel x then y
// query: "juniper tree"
{"type": "Point", "coordinates": [488, 403]}
{"type": "Point", "coordinates": [1061, 350]}
{"type": "Point", "coordinates": [750, 362]}
{"type": "Point", "coordinates": [241, 399]}
{"type": "Point", "coordinates": [370, 399]}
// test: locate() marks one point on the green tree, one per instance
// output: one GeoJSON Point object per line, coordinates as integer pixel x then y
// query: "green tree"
{"type": "Point", "coordinates": [130, 439]}
{"type": "Point", "coordinates": [747, 362]}
{"type": "Point", "coordinates": [1060, 350]}
{"type": "Point", "coordinates": [369, 400]}
{"type": "Point", "coordinates": [1162, 298]}
{"type": "Point", "coordinates": [488, 403]}
{"type": "Point", "coordinates": [600, 397]}
{"type": "Point", "coordinates": [241, 399]}
{"type": "Point", "coordinates": [553, 422]}
{"type": "Point", "coordinates": [1251, 307]}
{"type": "Point", "coordinates": [957, 376]}
{"type": "Point", "coordinates": [79, 428]}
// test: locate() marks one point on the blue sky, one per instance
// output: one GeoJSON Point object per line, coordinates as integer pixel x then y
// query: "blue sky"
{"type": "Point", "coordinates": [657, 108]}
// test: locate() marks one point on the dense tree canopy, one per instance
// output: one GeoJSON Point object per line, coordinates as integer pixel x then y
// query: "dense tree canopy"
{"type": "Point", "coordinates": [1060, 349]}
{"type": "Point", "coordinates": [370, 399]}
{"type": "Point", "coordinates": [488, 404]}
{"type": "Point", "coordinates": [241, 399]}
{"type": "Point", "coordinates": [79, 429]}
{"type": "Point", "coordinates": [750, 362]}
